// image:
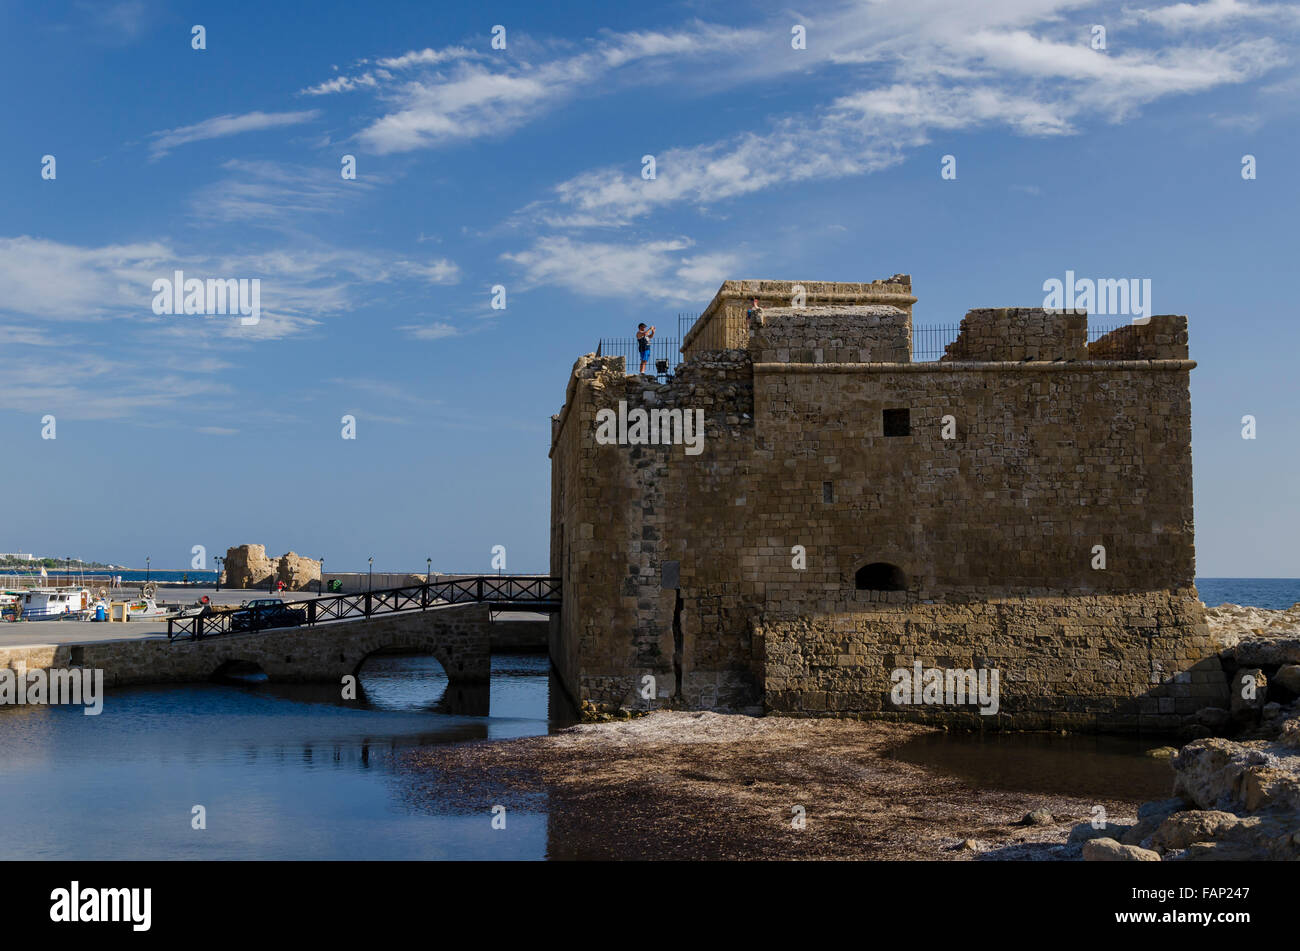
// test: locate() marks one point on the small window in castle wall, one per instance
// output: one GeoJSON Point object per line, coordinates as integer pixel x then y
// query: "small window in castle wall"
{"type": "Point", "coordinates": [828, 492]}
{"type": "Point", "coordinates": [898, 422]}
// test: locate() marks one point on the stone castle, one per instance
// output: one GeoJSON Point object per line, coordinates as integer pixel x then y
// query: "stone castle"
{"type": "Point", "coordinates": [1023, 504]}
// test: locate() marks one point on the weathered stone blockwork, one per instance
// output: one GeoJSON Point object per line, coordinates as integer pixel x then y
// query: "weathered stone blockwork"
{"type": "Point", "coordinates": [1091, 662]}
{"type": "Point", "coordinates": [984, 482]}
{"type": "Point", "coordinates": [724, 324]}
{"type": "Point", "coordinates": [1020, 333]}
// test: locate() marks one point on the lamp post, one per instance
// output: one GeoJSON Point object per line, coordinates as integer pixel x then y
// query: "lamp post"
{"type": "Point", "coordinates": [218, 560]}
{"type": "Point", "coordinates": [146, 569]}
{"type": "Point", "coordinates": [370, 574]}
{"type": "Point", "coordinates": [320, 582]}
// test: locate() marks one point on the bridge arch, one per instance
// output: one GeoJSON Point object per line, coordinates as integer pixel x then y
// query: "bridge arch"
{"type": "Point", "coordinates": [466, 662]}
{"type": "Point", "coordinates": [238, 669]}
{"type": "Point", "coordinates": [459, 638]}
{"type": "Point", "coordinates": [414, 644]}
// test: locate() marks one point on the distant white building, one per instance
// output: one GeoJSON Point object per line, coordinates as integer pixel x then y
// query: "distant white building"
{"type": "Point", "coordinates": [18, 556]}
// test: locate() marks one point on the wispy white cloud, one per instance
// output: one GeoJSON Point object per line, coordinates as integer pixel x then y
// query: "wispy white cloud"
{"type": "Point", "coordinates": [435, 97]}
{"type": "Point", "coordinates": [660, 270]}
{"type": "Point", "coordinates": [386, 390]}
{"type": "Point", "coordinates": [342, 84]}
{"type": "Point", "coordinates": [1198, 16]}
{"type": "Point", "coordinates": [435, 330]}
{"type": "Point", "coordinates": [435, 271]}
{"type": "Point", "coordinates": [426, 57]}
{"type": "Point", "coordinates": [221, 126]}
{"type": "Point", "coordinates": [275, 192]}
{"type": "Point", "coordinates": [26, 336]}
{"type": "Point", "coordinates": [48, 279]}
{"type": "Point", "coordinates": [92, 386]}
{"type": "Point", "coordinates": [52, 281]}
{"type": "Point", "coordinates": [1018, 67]}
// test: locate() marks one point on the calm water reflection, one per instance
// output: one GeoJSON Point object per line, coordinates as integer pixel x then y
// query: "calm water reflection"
{"type": "Point", "coordinates": [284, 771]}
{"type": "Point", "coordinates": [1101, 766]}
{"type": "Point", "coordinates": [294, 772]}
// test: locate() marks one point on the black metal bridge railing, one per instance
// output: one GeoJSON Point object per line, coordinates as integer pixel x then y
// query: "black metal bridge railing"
{"type": "Point", "coordinates": [509, 592]}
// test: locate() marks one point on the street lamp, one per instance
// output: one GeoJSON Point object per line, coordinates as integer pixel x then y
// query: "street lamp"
{"type": "Point", "coordinates": [146, 569]}
{"type": "Point", "coordinates": [370, 574]}
{"type": "Point", "coordinates": [219, 560]}
{"type": "Point", "coordinates": [320, 582]}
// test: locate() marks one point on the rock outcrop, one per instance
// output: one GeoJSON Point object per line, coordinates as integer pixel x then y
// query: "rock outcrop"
{"type": "Point", "coordinates": [1231, 623]}
{"type": "Point", "coordinates": [1260, 657]}
{"type": "Point", "coordinates": [1233, 801]}
{"type": "Point", "coordinates": [247, 566]}
{"type": "Point", "coordinates": [1108, 850]}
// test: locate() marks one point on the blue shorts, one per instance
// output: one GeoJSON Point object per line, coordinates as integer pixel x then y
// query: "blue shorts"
{"type": "Point", "coordinates": [645, 356]}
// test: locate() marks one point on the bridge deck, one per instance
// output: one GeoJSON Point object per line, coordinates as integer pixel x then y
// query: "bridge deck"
{"type": "Point", "coordinates": [500, 592]}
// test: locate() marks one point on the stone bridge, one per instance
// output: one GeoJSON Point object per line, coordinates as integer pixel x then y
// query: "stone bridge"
{"type": "Point", "coordinates": [460, 636]}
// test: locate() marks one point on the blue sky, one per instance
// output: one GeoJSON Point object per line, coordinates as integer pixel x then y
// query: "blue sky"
{"type": "Point", "coordinates": [522, 167]}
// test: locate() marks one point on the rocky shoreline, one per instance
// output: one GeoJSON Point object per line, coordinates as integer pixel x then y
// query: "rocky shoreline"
{"type": "Point", "coordinates": [675, 785]}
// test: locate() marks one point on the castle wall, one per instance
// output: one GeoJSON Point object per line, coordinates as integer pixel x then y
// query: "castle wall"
{"type": "Point", "coordinates": [1115, 663]}
{"type": "Point", "coordinates": [1046, 462]}
{"type": "Point", "coordinates": [626, 510]}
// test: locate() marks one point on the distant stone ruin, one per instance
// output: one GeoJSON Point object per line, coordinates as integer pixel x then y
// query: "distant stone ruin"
{"type": "Point", "coordinates": [247, 566]}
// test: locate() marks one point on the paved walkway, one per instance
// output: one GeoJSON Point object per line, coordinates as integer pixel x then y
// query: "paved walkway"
{"type": "Point", "coordinates": [28, 633]}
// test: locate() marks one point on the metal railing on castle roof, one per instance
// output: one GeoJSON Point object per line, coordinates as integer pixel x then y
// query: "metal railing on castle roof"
{"type": "Point", "coordinates": [666, 351]}
{"type": "Point", "coordinates": [930, 343]}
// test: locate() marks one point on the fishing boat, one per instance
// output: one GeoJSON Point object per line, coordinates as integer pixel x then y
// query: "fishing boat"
{"type": "Point", "coordinates": [46, 604]}
{"type": "Point", "coordinates": [147, 609]}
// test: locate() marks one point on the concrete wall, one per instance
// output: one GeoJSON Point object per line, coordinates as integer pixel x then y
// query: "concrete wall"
{"type": "Point", "coordinates": [358, 582]}
{"type": "Point", "coordinates": [1050, 456]}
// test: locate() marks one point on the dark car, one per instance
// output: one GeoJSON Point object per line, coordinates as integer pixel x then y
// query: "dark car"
{"type": "Point", "coordinates": [264, 612]}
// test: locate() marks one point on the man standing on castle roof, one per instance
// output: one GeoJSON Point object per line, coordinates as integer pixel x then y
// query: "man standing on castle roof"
{"type": "Point", "coordinates": [643, 337]}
